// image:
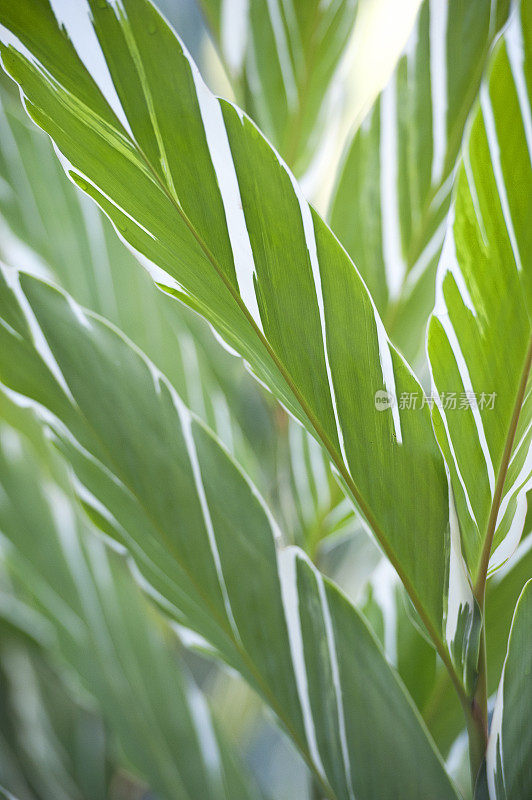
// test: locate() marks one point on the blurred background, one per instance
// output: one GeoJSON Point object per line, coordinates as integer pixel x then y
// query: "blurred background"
{"type": "Point", "coordinates": [79, 690]}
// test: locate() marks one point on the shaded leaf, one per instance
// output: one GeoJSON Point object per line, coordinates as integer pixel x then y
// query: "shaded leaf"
{"type": "Point", "coordinates": [104, 628]}
{"type": "Point", "coordinates": [156, 480]}
{"type": "Point", "coordinates": [508, 765]}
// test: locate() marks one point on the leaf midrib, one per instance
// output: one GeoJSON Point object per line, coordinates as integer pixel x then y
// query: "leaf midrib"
{"type": "Point", "coordinates": [212, 609]}
{"type": "Point", "coordinates": [322, 436]}
{"type": "Point", "coordinates": [333, 453]}
{"type": "Point", "coordinates": [480, 583]}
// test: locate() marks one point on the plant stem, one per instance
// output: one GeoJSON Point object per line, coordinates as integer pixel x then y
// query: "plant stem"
{"type": "Point", "coordinates": [316, 792]}
{"type": "Point", "coordinates": [477, 717]}
{"type": "Point", "coordinates": [335, 457]}
{"type": "Point", "coordinates": [480, 585]}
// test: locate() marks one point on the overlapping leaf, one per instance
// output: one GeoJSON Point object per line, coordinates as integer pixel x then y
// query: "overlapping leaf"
{"type": "Point", "coordinates": [72, 239]}
{"type": "Point", "coordinates": [155, 479]}
{"type": "Point", "coordinates": [314, 503]}
{"type": "Point", "coordinates": [41, 727]}
{"type": "Point", "coordinates": [508, 765]}
{"type": "Point", "coordinates": [103, 627]}
{"type": "Point", "coordinates": [479, 340]}
{"type": "Point", "coordinates": [393, 191]}
{"type": "Point", "coordinates": [192, 184]}
{"type": "Point", "coordinates": [284, 60]}
{"type": "Point", "coordinates": [78, 246]}
{"type": "Point", "coordinates": [383, 605]}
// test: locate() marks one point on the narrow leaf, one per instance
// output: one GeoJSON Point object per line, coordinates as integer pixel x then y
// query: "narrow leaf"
{"type": "Point", "coordinates": [508, 764]}
{"type": "Point", "coordinates": [155, 479]}
{"type": "Point", "coordinates": [392, 195]}
{"type": "Point", "coordinates": [285, 61]}
{"type": "Point", "coordinates": [479, 340]}
{"type": "Point", "coordinates": [196, 188]}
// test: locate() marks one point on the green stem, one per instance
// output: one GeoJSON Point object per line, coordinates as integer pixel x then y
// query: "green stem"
{"type": "Point", "coordinates": [477, 716]}
{"type": "Point", "coordinates": [316, 792]}
{"type": "Point", "coordinates": [320, 432]}
{"type": "Point", "coordinates": [480, 585]}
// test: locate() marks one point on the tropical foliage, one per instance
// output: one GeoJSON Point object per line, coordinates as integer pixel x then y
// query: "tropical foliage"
{"type": "Point", "coordinates": [331, 526]}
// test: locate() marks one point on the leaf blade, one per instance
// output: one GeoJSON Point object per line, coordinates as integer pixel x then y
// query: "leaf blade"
{"type": "Point", "coordinates": [302, 353]}
{"type": "Point", "coordinates": [393, 192]}
{"type": "Point", "coordinates": [507, 763]}
{"type": "Point", "coordinates": [175, 499]}
{"type": "Point", "coordinates": [489, 464]}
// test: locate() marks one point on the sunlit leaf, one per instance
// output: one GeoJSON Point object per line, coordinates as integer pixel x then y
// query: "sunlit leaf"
{"type": "Point", "coordinates": [479, 340]}
{"type": "Point", "coordinates": [285, 63]}
{"type": "Point", "coordinates": [199, 191]}
{"type": "Point", "coordinates": [392, 195]}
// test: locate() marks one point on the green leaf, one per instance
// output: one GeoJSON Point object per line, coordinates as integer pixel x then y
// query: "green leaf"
{"type": "Point", "coordinates": [42, 728]}
{"type": "Point", "coordinates": [284, 61]}
{"type": "Point", "coordinates": [442, 712]}
{"type": "Point", "coordinates": [479, 339]}
{"type": "Point", "coordinates": [392, 196]}
{"type": "Point", "coordinates": [106, 631]}
{"type": "Point", "coordinates": [65, 229]}
{"type": "Point", "coordinates": [156, 479]}
{"type": "Point", "coordinates": [74, 241]}
{"type": "Point", "coordinates": [508, 764]}
{"type": "Point", "coordinates": [199, 191]}
{"type": "Point", "coordinates": [502, 593]}
{"type": "Point", "coordinates": [385, 604]}
{"type": "Point", "coordinates": [5, 795]}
